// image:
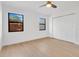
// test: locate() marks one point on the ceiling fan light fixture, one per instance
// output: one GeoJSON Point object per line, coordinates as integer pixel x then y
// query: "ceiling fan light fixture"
{"type": "Point", "coordinates": [48, 5]}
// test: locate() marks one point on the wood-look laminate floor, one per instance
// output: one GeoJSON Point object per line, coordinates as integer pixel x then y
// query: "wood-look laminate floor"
{"type": "Point", "coordinates": [46, 47]}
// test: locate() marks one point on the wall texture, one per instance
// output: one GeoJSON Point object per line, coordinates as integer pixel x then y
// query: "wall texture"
{"type": "Point", "coordinates": [77, 27]}
{"type": "Point", "coordinates": [66, 27]}
{"type": "Point", "coordinates": [31, 26]}
{"type": "Point", "coordinates": [0, 24]}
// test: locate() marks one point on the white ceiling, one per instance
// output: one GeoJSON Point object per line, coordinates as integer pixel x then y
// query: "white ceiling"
{"type": "Point", "coordinates": [62, 6]}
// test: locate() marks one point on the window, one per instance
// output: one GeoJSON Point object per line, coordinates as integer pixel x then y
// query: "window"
{"type": "Point", "coordinates": [15, 22]}
{"type": "Point", "coordinates": [42, 24]}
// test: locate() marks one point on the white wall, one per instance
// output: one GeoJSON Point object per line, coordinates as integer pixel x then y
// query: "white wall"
{"type": "Point", "coordinates": [50, 26]}
{"type": "Point", "coordinates": [77, 27]}
{"type": "Point", "coordinates": [66, 27]}
{"type": "Point", "coordinates": [0, 23]}
{"type": "Point", "coordinates": [31, 26]}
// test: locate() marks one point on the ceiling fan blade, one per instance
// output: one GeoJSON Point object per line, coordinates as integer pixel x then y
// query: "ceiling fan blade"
{"type": "Point", "coordinates": [43, 5]}
{"type": "Point", "coordinates": [54, 6]}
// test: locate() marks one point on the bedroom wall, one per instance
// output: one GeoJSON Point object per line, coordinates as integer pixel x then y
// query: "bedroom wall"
{"type": "Point", "coordinates": [31, 26]}
{"type": "Point", "coordinates": [77, 27]}
{"type": "Point", "coordinates": [66, 27]}
{"type": "Point", "coordinates": [0, 24]}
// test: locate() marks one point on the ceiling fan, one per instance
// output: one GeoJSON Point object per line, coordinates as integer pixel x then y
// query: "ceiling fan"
{"type": "Point", "coordinates": [49, 4]}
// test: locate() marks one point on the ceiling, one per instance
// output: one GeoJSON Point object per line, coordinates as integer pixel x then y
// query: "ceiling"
{"type": "Point", "coordinates": [62, 6]}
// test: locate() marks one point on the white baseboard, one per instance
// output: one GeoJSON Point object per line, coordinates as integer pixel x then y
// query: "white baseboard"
{"type": "Point", "coordinates": [77, 43]}
{"type": "Point", "coordinates": [34, 38]}
{"type": "Point", "coordinates": [40, 38]}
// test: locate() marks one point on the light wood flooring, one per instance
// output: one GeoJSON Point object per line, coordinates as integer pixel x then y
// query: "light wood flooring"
{"type": "Point", "coordinates": [45, 47]}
